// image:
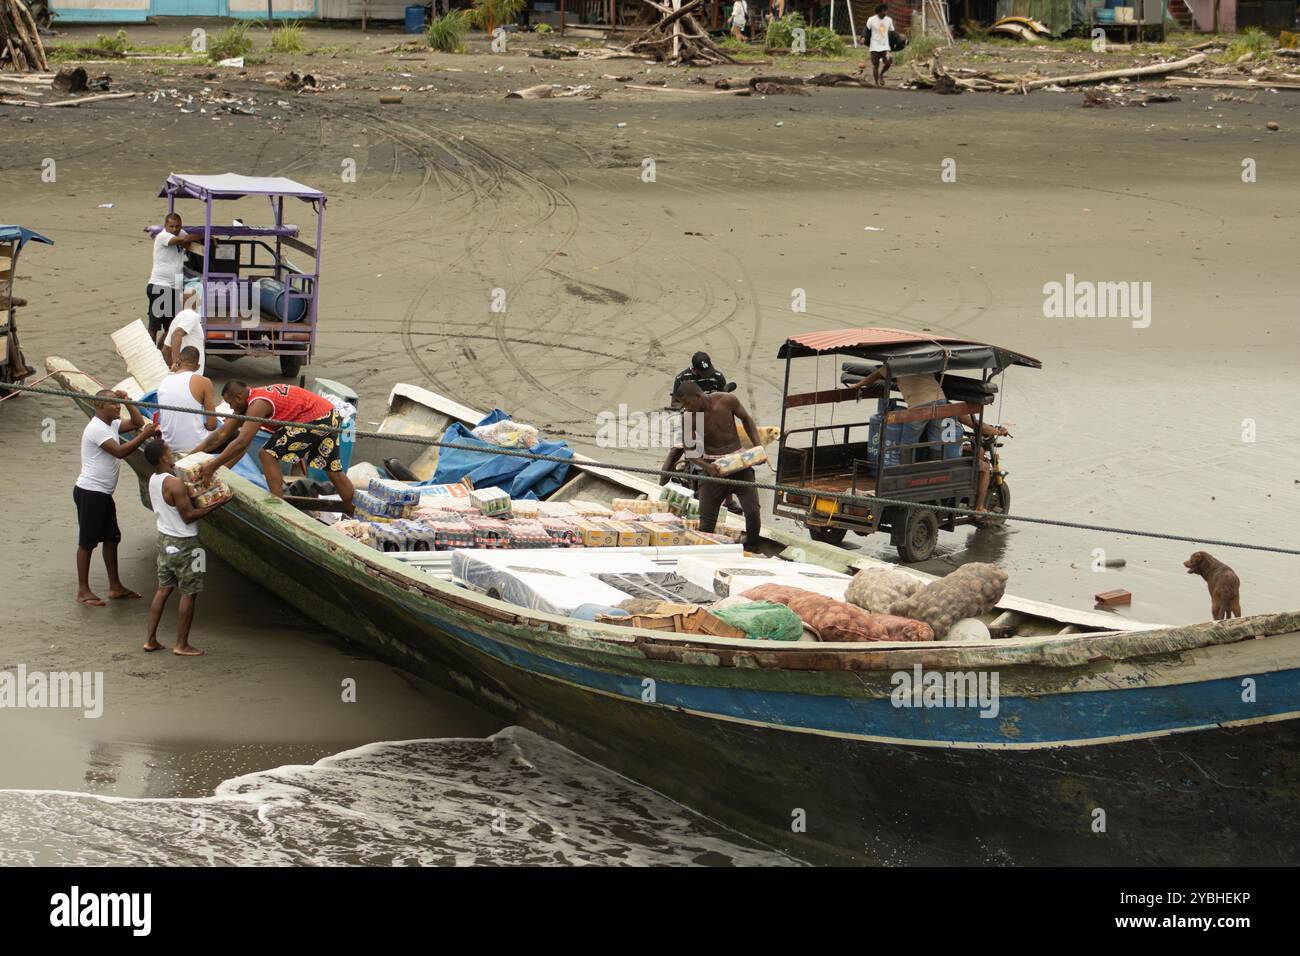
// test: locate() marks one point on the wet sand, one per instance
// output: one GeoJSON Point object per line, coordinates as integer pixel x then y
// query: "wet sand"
{"type": "Point", "coordinates": [611, 284]}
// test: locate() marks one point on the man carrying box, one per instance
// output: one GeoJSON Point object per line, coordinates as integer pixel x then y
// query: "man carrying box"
{"type": "Point", "coordinates": [180, 563]}
{"type": "Point", "coordinates": [719, 412]}
{"type": "Point", "coordinates": [311, 437]}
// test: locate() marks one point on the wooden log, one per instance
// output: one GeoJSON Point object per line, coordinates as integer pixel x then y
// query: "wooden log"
{"type": "Point", "coordinates": [93, 99]}
{"type": "Point", "coordinates": [1155, 69]}
{"type": "Point", "coordinates": [543, 91]}
{"type": "Point", "coordinates": [1188, 81]}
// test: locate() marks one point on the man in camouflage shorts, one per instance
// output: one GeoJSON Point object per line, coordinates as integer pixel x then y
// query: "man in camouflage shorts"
{"type": "Point", "coordinates": [303, 443]}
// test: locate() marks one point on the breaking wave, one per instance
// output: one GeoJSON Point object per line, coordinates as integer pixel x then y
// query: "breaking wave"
{"type": "Point", "coordinates": [513, 799]}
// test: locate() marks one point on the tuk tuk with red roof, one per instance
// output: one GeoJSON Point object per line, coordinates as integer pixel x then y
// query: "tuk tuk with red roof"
{"type": "Point", "coordinates": [894, 453]}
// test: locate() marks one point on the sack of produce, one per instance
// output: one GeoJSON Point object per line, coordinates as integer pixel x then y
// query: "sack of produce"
{"type": "Point", "coordinates": [838, 620]}
{"type": "Point", "coordinates": [763, 620]}
{"type": "Point", "coordinates": [877, 590]}
{"type": "Point", "coordinates": [970, 591]}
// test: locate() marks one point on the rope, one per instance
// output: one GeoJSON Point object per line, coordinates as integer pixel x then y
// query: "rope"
{"type": "Point", "coordinates": [868, 501]}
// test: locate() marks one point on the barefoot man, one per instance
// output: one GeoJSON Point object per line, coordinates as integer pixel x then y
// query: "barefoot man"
{"type": "Point", "coordinates": [312, 437]}
{"type": "Point", "coordinates": [719, 412]}
{"type": "Point", "coordinates": [180, 562]}
{"type": "Point", "coordinates": [101, 455]}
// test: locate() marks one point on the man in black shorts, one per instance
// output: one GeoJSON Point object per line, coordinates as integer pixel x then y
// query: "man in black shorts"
{"type": "Point", "coordinates": [167, 280]}
{"type": "Point", "coordinates": [878, 29]}
{"type": "Point", "coordinates": [101, 454]}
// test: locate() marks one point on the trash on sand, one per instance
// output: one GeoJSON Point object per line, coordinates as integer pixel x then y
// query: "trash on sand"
{"type": "Point", "coordinates": [235, 61]}
{"type": "Point", "coordinates": [1114, 598]}
{"type": "Point", "coordinates": [106, 205]}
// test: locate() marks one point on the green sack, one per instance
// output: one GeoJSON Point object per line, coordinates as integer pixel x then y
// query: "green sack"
{"type": "Point", "coordinates": [763, 620]}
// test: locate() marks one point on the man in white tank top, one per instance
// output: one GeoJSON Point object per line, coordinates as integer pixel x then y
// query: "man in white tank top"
{"type": "Point", "coordinates": [180, 560]}
{"type": "Point", "coordinates": [186, 388]}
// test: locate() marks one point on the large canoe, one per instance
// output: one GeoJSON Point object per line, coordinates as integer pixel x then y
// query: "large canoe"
{"type": "Point", "coordinates": [1113, 742]}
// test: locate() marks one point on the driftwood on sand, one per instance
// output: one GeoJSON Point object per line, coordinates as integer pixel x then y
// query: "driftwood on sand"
{"type": "Point", "coordinates": [677, 37]}
{"type": "Point", "coordinates": [932, 75]}
{"type": "Point", "coordinates": [21, 48]}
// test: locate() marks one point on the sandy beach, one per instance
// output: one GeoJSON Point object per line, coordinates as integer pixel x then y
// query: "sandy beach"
{"type": "Point", "coordinates": [611, 282]}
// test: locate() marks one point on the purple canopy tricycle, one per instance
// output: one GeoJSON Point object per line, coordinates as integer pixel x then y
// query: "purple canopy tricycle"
{"type": "Point", "coordinates": [255, 301]}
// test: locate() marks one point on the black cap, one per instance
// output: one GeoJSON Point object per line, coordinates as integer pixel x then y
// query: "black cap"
{"type": "Point", "coordinates": [700, 360]}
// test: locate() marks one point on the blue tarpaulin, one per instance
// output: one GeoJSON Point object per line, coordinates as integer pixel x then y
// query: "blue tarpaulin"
{"type": "Point", "coordinates": [521, 477]}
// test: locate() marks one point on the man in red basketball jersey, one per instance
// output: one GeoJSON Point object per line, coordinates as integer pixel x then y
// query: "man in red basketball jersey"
{"type": "Point", "coordinates": [312, 439]}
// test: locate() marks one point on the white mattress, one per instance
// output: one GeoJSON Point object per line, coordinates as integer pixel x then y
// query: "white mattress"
{"type": "Point", "coordinates": [555, 581]}
{"type": "Point", "coordinates": [726, 576]}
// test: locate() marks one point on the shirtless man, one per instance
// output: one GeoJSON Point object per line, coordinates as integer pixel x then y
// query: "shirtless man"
{"type": "Point", "coordinates": [312, 437]}
{"type": "Point", "coordinates": [719, 412]}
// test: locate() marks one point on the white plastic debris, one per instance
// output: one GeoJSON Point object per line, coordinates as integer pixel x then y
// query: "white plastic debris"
{"type": "Point", "coordinates": [235, 61]}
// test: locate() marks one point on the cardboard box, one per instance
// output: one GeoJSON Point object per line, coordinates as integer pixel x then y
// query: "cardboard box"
{"type": "Point", "coordinates": [594, 535]}
{"type": "Point", "coordinates": [491, 502]}
{"type": "Point", "coordinates": [187, 468]}
{"type": "Point", "coordinates": [664, 535]}
{"type": "Point", "coordinates": [630, 535]}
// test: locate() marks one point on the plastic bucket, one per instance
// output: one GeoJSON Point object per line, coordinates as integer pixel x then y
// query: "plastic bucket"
{"type": "Point", "coordinates": [415, 19]}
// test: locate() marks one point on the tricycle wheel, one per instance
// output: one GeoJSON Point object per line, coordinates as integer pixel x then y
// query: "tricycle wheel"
{"type": "Point", "coordinates": [290, 365]}
{"type": "Point", "coordinates": [998, 501]}
{"type": "Point", "coordinates": [826, 535]}
{"type": "Point", "coordinates": [920, 535]}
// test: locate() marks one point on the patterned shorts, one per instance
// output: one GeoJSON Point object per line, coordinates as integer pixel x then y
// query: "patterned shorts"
{"type": "Point", "coordinates": [180, 563]}
{"type": "Point", "coordinates": [309, 444]}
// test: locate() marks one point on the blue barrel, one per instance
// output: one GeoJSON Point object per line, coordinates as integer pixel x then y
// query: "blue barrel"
{"type": "Point", "coordinates": [273, 301]}
{"type": "Point", "coordinates": [415, 19]}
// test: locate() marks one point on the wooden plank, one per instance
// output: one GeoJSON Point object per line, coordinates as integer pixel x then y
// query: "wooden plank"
{"type": "Point", "coordinates": [824, 397]}
{"type": "Point", "coordinates": [929, 412]}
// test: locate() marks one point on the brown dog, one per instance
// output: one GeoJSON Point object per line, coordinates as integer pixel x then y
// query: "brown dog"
{"type": "Point", "coordinates": [1225, 588]}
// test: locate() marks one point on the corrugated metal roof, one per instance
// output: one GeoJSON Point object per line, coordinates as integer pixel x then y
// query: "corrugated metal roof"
{"type": "Point", "coordinates": [867, 338]}
{"type": "Point", "coordinates": [896, 344]}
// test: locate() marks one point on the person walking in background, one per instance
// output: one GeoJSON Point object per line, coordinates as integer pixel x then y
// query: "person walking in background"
{"type": "Point", "coordinates": [101, 453]}
{"type": "Point", "coordinates": [186, 387]}
{"type": "Point", "coordinates": [739, 19]}
{"type": "Point", "coordinates": [168, 275]}
{"type": "Point", "coordinates": [878, 29]}
{"type": "Point", "coordinates": [180, 565]}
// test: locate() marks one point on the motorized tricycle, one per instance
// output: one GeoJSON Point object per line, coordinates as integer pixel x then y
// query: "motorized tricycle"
{"type": "Point", "coordinates": [911, 457]}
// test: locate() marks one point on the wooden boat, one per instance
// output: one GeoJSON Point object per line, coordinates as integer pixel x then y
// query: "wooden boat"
{"type": "Point", "coordinates": [1113, 742]}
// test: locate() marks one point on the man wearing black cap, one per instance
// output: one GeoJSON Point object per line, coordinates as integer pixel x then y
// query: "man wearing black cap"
{"type": "Point", "coordinates": [702, 373]}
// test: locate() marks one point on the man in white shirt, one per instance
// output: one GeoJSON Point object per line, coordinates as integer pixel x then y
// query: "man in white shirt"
{"type": "Point", "coordinates": [739, 19]}
{"type": "Point", "coordinates": [168, 275]}
{"type": "Point", "coordinates": [878, 29]}
{"type": "Point", "coordinates": [101, 454]}
{"type": "Point", "coordinates": [186, 387]}
{"type": "Point", "coordinates": [185, 331]}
